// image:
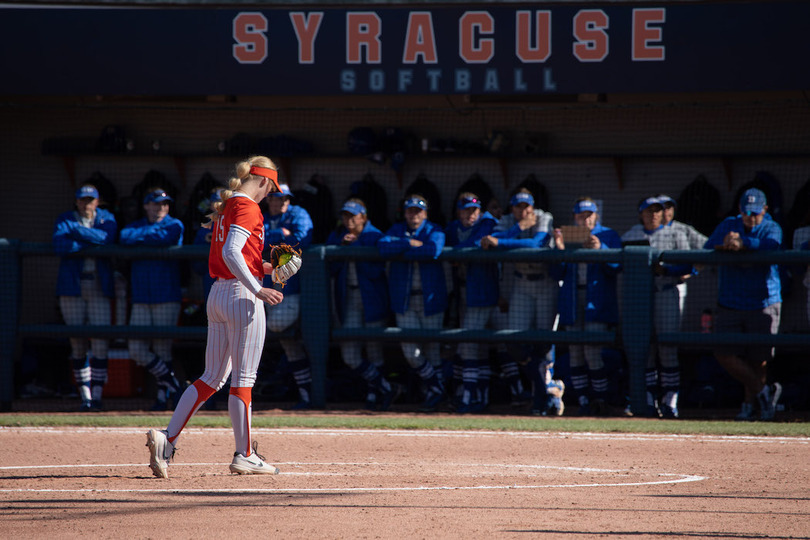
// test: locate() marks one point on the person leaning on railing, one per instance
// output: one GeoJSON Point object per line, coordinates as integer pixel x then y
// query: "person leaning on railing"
{"type": "Point", "coordinates": [361, 300]}
{"type": "Point", "coordinates": [85, 287]}
{"type": "Point", "coordinates": [156, 292]}
{"type": "Point", "coordinates": [652, 230]}
{"type": "Point", "coordinates": [418, 292]}
{"type": "Point", "coordinates": [749, 301]}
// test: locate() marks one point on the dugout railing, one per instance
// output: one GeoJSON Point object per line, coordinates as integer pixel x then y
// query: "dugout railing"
{"type": "Point", "coordinates": [635, 334]}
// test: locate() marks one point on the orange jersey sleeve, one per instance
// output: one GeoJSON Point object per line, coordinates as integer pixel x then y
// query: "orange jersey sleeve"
{"type": "Point", "coordinates": [242, 212]}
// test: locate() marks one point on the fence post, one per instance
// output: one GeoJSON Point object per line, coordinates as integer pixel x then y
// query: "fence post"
{"type": "Point", "coordinates": [9, 317]}
{"type": "Point", "coordinates": [637, 319]}
{"type": "Point", "coordinates": [315, 315]}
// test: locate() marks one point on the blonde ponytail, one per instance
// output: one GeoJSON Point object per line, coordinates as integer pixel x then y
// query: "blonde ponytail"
{"type": "Point", "coordinates": [242, 175]}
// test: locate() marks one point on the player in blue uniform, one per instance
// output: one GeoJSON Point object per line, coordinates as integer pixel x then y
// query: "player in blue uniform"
{"type": "Point", "coordinates": [588, 301]}
{"type": "Point", "coordinates": [479, 295]}
{"type": "Point", "coordinates": [361, 300]}
{"type": "Point", "coordinates": [533, 300]}
{"type": "Point", "coordinates": [85, 287]}
{"type": "Point", "coordinates": [418, 291]}
{"type": "Point", "coordinates": [287, 223]}
{"type": "Point", "coordinates": [156, 291]}
{"type": "Point", "coordinates": [749, 301]}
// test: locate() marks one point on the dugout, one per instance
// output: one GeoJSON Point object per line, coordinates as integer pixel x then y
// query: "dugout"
{"type": "Point", "coordinates": [617, 101]}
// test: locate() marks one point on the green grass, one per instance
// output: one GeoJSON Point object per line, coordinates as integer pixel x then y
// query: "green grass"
{"type": "Point", "coordinates": [424, 422]}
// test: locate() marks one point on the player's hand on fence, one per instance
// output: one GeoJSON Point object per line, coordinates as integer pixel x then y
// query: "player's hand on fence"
{"type": "Point", "coordinates": [733, 241]}
{"type": "Point", "coordinates": [489, 241]}
{"type": "Point", "coordinates": [415, 243]}
{"type": "Point", "coordinates": [559, 241]}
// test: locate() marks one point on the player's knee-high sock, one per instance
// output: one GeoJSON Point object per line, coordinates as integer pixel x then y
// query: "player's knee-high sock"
{"type": "Point", "coordinates": [579, 380]}
{"type": "Point", "coordinates": [372, 376]}
{"type": "Point", "coordinates": [599, 383]}
{"type": "Point", "coordinates": [484, 377]}
{"type": "Point", "coordinates": [303, 378]}
{"type": "Point", "coordinates": [163, 373]}
{"type": "Point", "coordinates": [240, 408]}
{"type": "Point", "coordinates": [511, 372]}
{"type": "Point", "coordinates": [98, 377]}
{"type": "Point", "coordinates": [670, 385]}
{"type": "Point", "coordinates": [455, 384]}
{"type": "Point", "coordinates": [430, 377]}
{"type": "Point", "coordinates": [651, 380]}
{"type": "Point", "coordinates": [82, 374]}
{"type": "Point", "coordinates": [188, 405]}
{"type": "Point", "coordinates": [469, 378]}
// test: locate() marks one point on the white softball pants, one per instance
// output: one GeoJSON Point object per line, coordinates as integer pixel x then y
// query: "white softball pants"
{"type": "Point", "coordinates": [474, 318]}
{"type": "Point", "coordinates": [533, 302]}
{"type": "Point", "coordinates": [92, 307]}
{"type": "Point", "coordinates": [281, 317]}
{"type": "Point", "coordinates": [666, 318]}
{"type": "Point", "coordinates": [352, 351]}
{"type": "Point", "coordinates": [236, 332]}
{"type": "Point", "coordinates": [163, 314]}
{"type": "Point", "coordinates": [415, 317]}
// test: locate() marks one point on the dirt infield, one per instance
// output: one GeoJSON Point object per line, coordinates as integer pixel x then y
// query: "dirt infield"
{"type": "Point", "coordinates": [87, 482]}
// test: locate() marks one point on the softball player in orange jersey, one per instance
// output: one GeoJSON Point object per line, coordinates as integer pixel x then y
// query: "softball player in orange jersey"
{"type": "Point", "coordinates": [236, 318]}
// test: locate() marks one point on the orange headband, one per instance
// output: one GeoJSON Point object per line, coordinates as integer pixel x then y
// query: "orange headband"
{"type": "Point", "coordinates": [267, 173]}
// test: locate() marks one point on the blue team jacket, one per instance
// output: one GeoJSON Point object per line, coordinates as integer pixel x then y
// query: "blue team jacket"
{"type": "Point", "coordinates": [70, 236]}
{"type": "Point", "coordinates": [482, 278]}
{"type": "Point", "coordinates": [602, 304]}
{"type": "Point", "coordinates": [434, 289]}
{"type": "Point", "coordinates": [370, 277]}
{"type": "Point", "coordinates": [748, 287]}
{"type": "Point", "coordinates": [154, 281]}
{"type": "Point", "coordinates": [299, 223]}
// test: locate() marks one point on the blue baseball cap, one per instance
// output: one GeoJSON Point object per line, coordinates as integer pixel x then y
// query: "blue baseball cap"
{"type": "Point", "coordinates": [752, 202]}
{"type": "Point", "coordinates": [648, 202]}
{"type": "Point", "coordinates": [216, 196]}
{"type": "Point", "coordinates": [415, 202]}
{"type": "Point", "coordinates": [285, 191]}
{"type": "Point", "coordinates": [87, 192]}
{"type": "Point", "coordinates": [518, 198]}
{"type": "Point", "coordinates": [585, 206]}
{"type": "Point", "coordinates": [353, 208]}
{"type": "Point", "coordinates": [157, 195]}
{"type": "Point", "coordinates": [468, 202]}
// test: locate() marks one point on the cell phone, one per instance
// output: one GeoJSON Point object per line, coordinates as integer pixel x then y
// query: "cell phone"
{"type": "Point", "coordinates": [575, 234]}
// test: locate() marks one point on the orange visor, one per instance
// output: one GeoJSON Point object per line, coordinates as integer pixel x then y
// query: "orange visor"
{"type": "Point", "coordinates": [267, 173]}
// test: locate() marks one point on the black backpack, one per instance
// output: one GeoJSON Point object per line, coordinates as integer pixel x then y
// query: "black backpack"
{"type": "Point", "coordinates": [316, 198]}
{"type": "Point", "coordinates": [699, 205]}
{"type": "Point", "coordinates": [799, 214]}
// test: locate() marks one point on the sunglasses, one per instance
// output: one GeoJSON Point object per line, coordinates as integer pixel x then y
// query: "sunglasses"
{"type": "Point", "coordinates": [416, 202]}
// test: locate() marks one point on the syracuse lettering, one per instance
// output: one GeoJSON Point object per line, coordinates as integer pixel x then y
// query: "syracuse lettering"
{"type": "Point", "coordinates": [420, 65]}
